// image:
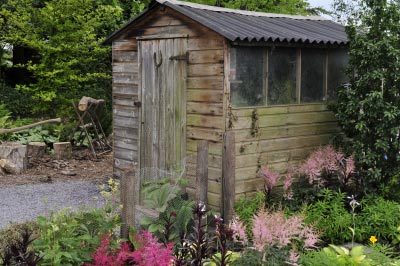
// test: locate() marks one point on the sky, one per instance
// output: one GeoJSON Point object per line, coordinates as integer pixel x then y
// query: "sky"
{"type": "Point", "coordinates": [324, 3]}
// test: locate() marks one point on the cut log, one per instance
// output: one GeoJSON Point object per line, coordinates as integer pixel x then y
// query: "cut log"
{"type": "Point", "coordinates": [9, 130]}
{"type": "Point", "coordinates": [86, 101]}
{"type": "Point", "coordinates": [36, 149]}
{"type": "Point", "coordinates": [14, 156]}
{"type": "Point", "coordinates": [62, 150]}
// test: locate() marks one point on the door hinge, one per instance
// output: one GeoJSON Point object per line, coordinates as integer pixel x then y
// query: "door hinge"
{"type": "Point", "coordinates": [137, 103]}
{"type": "Point", "coordinates": [179, 57]}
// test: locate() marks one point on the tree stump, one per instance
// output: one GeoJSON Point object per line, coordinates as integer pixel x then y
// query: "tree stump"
{"type": "Point", "coordinates": [14, 155]}
{"type": "Point", "coordinates": [62, 150]}
{"type": "Point", "coordinates": [36, 149]}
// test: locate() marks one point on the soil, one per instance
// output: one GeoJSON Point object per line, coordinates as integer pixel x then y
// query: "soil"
{"type": "Point", "coordinates": [49, 170]}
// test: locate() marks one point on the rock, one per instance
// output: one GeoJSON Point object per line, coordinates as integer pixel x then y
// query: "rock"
{"type": "Point", "coordinates": [68, 173]}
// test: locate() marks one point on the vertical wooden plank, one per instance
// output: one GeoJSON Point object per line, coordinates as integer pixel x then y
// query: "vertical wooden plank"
{"type": "Point", "coordinates": [228, 176]}
{"type": "Point", "coordinates": [202, 172]}
{"type": "Point", "coordinates": [127, 197]}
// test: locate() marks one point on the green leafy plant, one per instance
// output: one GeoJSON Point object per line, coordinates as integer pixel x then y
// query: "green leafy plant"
{"type": "Point", "coordinates": [378, 217]}
{"type": "Point", "coordinates": [157, 194]}
{"type": "Point", "coordinates": [68, 238]}
{"type": "Point", "coordinates": [330, 216]}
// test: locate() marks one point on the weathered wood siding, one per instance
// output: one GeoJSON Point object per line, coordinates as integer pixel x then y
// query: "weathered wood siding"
{"type": "Point", "coordinates": [279, 137]}
{"type": "Point", "coordinates": [205, 110]}
{"type": "Point", "coordinates": [125, 113]}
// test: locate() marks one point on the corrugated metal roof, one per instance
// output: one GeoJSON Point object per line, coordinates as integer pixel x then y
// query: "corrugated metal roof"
{"type": "Point", "coordinates": [239, 25]}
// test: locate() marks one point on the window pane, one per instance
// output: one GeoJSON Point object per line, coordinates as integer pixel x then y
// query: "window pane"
{"type": "Point", "coordinates": [247, 76]}
{"type": "Point", "coordinates": [337, 63]}
{"type": "Point", "coordinates": [312, 75]}
{"type": "Point", "coordinates": [281, 76]}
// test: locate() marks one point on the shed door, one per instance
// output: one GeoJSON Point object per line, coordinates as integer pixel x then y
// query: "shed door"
{"type": "Point", "coordinates": [163, 86]}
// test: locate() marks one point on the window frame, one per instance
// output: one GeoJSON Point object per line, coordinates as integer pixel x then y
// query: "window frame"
{"type": "Point", "coordinates": [266, 73]}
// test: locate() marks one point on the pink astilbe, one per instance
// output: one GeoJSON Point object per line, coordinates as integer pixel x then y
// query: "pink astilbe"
{"type": "Point", "coordinates": [148, 253]}
{"type": "Point", "coordinates": [262, 234]}
{"type": "Point", "coordinates": [275, 229]}
{"type": "Point", "coordinates": [287, 186]}
{"type": "Point", "coordinates": [311, 237]}
{"type": "Point", "coordinates": [294, 257]}
{"type": "Point", "coordinates": [239, 231]}
{"type": "Point", "coordinates": [270, 179]}
{"type": "Point", "coordinates": [324, 162]}
{"type": "Point", "coordinates": [103, 256]}
{"type": "Point", "coordinates": [151, 252]}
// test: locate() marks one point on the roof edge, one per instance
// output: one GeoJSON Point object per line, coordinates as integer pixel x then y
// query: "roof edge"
{"type": "Point", "coordinates": [238, 11]}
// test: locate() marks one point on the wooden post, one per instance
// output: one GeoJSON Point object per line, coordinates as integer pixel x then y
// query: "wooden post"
{"type": "Point", "coordinates": [127, 197]}
{"type": "Point", "coordinates": [228, 176]}
{"type": "Point", "coordinates": [202, 171]}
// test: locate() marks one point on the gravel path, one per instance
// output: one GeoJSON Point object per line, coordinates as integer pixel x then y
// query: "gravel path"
{"type": "Point", "coordinates": [26, 202]}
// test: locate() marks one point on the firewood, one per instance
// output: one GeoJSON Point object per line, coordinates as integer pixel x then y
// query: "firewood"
{"type": "Point", "coordinates": [86, 101]}
{"type": "Point", "coordinates": [62, 150]}
{"type": "Point", "coordinates": [36, 149]}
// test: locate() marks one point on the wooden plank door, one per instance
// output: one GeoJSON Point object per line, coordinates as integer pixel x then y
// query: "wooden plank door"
{"type": "Point", "coordinates": [163, 87]}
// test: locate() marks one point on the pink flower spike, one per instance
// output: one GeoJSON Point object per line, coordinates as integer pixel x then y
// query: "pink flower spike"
{"type": "Point", "coordinates": [270, 178]}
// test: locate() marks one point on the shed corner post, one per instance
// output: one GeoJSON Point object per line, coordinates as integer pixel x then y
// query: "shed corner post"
{"type": "Point", "coordinates": [228, 176]}
{"type": "Point", "coordinates": [128, 200]}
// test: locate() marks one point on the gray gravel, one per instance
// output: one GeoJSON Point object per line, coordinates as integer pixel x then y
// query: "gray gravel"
{"type": "Point", "coordinates": [26, 202]}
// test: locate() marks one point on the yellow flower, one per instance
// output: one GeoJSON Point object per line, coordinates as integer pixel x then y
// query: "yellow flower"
{"type": "Point", "coordinates": [373, 239]}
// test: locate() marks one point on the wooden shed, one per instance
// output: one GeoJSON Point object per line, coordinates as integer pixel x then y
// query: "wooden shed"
{"type": "Point", "coordinates": [255, 85]}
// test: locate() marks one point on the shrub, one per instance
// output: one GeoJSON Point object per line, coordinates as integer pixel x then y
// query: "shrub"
{"type": "Point", "coordinates": [378, 217]}
{"type": "Point", "coordinates": [330, 216]}
{"type": "Point", "coordinates": [368, 109]}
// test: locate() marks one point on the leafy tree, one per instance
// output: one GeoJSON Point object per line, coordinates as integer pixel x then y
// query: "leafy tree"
{"type": "Point", "coordinates": [68, 59]}
{"type": "Point", "coordinates": [298, 7]}
{"type": "Point", "coordinates": [368, 110]}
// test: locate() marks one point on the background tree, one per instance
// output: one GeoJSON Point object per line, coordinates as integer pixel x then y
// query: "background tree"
{"type": "Point", "coordinates": [369, 108]}
{"type": "Point", "coordinates": [67, 59]}
{"type": "Point", "coordinates": [294, 7]}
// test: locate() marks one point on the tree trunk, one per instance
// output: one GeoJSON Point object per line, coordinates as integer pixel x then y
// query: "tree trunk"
{"type": "Point", "coordinates": [62, 150]}
{"type": "Point", "coordinates": [36, 149]}
{"type": "Point", "coordinates": [14, 157]}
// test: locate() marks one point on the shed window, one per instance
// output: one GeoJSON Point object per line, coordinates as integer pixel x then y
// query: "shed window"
{"type": "Point", "coordinates": [338, 60]}
{"type": "Point", "coordinates": [279, 76]}
{"type": "Point", "coordinates": [282, 76]}
{"type": "Point", "coordinates": [312, 75]}
{"type": "Point", "coordinates": [247, 79]}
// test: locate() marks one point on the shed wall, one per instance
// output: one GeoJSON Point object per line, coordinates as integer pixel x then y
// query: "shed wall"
{"type": "Point", "coordinates": [279, 137]}
{"type": "Point", "coordinates": [125, 113]}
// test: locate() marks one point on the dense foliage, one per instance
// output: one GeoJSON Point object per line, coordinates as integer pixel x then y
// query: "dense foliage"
{"type": "Point", "coordinates": [368, 108]}
{"type": "Point", "coordinates": [66, 59]}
